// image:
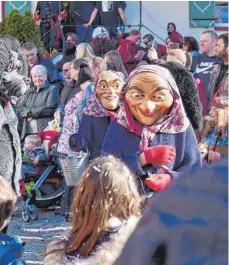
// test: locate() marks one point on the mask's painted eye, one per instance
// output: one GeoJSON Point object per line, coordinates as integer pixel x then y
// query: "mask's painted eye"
{"type": "Point", "coordinates": [159, 97]}
{"type": "Point", "coordinates": [137, 96]}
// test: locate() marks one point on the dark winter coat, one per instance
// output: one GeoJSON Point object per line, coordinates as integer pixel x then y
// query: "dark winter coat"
{"type": "Point", "coordinates": [39, 105]}
{"type": "Point", "coordinates": [65, 59]}
{"type": "Point", "coordinates": [188, 91]}
{"type": "Point", "coordinates": [91, 135]}
{"type": "Point", "coordinates": [125, 145]}
{"type": "Point", "coordinates": [54, 77]}
{"type": "Point", "coordinates": [185, 224]}
{"type": "Point", "coordinates": [68, 92]}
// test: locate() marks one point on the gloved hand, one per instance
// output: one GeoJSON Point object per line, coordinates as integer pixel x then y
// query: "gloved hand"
{"type": "Point", "coordinates": [160, 155]}
{"type": "Point", "coordinates": [158, 182]}
{"type": "Point", "coordinates": [76, 142]}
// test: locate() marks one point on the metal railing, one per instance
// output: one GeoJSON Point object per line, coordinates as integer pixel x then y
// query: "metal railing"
{"type": "Point", "coordinates": [61, 26]}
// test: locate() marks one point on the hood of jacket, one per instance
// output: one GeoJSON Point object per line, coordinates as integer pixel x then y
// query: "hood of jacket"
{"type": "Point", "coordinates": [105, 254]}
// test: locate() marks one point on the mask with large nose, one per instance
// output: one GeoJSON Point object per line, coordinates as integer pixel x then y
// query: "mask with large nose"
{"type": "Point", "coordinates": [148, 97]}
{"type": "Point", "coordinates": [108, 89]}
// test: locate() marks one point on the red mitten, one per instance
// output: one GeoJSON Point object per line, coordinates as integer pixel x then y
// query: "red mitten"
{"type": "Point", "coordinates": [158, 182]}
{"type": "Point", "coordinates": [160, 155]}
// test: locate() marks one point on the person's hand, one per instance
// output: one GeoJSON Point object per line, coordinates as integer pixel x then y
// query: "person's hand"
{"type": "Point", "coordinates": [139, 55]}
{"type": "Point", "coordinates": [160, 155]}
{"type": "Point", "coordinates": [158, 182]}
{"type": "Point", "coordinates": [29, 119]}
{"type": "Point", "coordinates": [214, 156]}
{"type": "Point", "coordinates": [36, 160]}
{"type": "Point", "coordinates": [86, 25]}
{"type": "Point", "coordinates": [152, 54]}
{"type": "Point", "coordinates": [127, 25]}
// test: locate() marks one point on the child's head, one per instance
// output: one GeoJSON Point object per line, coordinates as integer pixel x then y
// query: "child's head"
{"type": "Point", "coordinates": [7, 201]}
{"type": "Point", "coordinates": [177, 55]}
{"type": "Point", "coordinates": [217, 118]}
{"type": "Point", "coordinates": [107, 189]}
{"type": "Point", "coordinates": [32, 141]}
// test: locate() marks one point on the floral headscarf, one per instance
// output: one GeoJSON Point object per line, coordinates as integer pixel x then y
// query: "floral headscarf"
{"type": "Point", "coordinates": [174, 122]}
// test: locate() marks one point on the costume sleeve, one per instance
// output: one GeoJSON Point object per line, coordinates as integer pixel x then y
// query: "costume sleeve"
{"type": "Point", "coordinates": [112, 145]}
{"type": "Point", "coordinates": [51, 104]}
{"type": "Point", "coordinates": [192, 157]}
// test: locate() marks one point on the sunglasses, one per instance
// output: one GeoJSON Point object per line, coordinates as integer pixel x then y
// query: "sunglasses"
{"type": "Point", "coordinates": [65, 70]}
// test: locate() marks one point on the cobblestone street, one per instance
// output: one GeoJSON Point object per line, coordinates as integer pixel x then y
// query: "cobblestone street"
{"type": "Point", "coordinates": [36, 234]}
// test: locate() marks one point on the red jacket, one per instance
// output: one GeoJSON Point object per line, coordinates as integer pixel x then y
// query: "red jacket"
{"type": "Point", "coordinates": [127, 52]}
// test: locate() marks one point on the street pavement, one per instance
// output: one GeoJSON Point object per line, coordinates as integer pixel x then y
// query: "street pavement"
{"type": "Point", "coordinates": [36, 234]}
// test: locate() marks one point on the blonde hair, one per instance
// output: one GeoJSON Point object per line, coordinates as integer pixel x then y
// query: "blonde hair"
{"type": "Point", "coordinates": [34, 139]}
{"type": "Point", "coordinates": [217, 118]}
{"type": "Point", "coordinates": [7, 201]}
{"type": "Point", "coordinates": [84, 50]}
{"type": "Point", "coordinates": [177, 55]}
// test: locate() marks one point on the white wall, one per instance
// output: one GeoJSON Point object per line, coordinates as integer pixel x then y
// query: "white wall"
{"type": "Point", "coordinates": [156, 15]}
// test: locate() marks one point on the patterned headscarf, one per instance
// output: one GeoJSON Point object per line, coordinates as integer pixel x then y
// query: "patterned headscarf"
{"type": "Point", "coordinates": [174, 122]}
{"type": "Point", "coordinates": [94, 106]}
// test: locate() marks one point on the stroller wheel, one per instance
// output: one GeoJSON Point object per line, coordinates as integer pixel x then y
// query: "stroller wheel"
{"type": "Point", "coordinates": [25, 215]}
{"type": "Point", "coordinates": [33, 212]}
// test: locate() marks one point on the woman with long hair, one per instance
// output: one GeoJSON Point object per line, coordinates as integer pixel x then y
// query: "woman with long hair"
{"type": "Point", "coordinates": [115, 58]}
{"type": "Point", "coordinates": [73, 111]}
{"type": "Point", "coordinates": [190, 44]}
{"type": "Point", "coordinates": [106, 208]}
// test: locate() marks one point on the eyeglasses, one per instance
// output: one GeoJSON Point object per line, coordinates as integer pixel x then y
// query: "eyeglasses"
{"type": "Point", "coordinates": [146, 42]}
{"type": "Point", "coordinates": [65, 70]}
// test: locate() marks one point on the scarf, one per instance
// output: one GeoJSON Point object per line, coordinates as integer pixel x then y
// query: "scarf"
{"type": "Point", "coordinates": [96, 109]}
{"type": "Point", "coordinates": [174, 122]}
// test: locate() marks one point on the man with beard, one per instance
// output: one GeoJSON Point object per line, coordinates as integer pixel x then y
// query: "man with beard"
{"type": "Point", "coordinates": [219, 77]}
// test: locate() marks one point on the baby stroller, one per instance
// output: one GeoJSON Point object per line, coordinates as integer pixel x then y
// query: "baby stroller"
{"type": "Point", "coordinates": [44, 183]}
{"type": "Point", "coordinates": [43, 188]}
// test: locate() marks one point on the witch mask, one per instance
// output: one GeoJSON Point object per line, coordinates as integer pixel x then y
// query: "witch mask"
{"type": "Point", "coordinates": [108, 88]}
{"type": "Point", "coordinates": [148, 97]}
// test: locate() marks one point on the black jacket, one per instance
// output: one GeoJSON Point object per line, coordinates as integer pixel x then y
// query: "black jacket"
{"type": "Point", "coordinates": [39, 105]}
{"type": "Point", "coordinates": [188, 92]}
{"type": "Point", "coordinates": [67, 93]}
{"type": "Point", "coordinates": [65, 59]}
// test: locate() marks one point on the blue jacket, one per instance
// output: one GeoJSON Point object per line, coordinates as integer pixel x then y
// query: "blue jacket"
{"type": "Point", "coordinates": [125, 145]}
{"type": "Point", "coordinates": [11, 250]}
{"type": "Point", "coordinates": [91, 135]}
{"type": "Point", "coordinates": [54, 77]}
